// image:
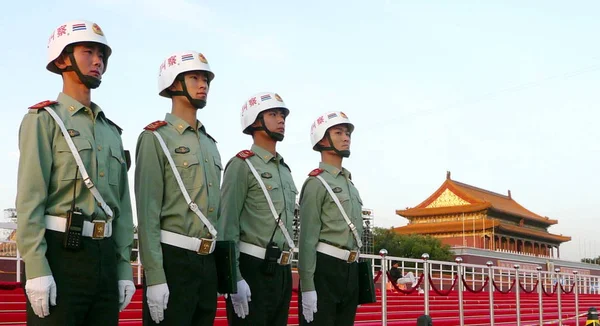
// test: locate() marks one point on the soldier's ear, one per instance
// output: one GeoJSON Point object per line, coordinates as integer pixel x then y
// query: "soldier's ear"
{"type": "Point", "coordinates": [63, 61]}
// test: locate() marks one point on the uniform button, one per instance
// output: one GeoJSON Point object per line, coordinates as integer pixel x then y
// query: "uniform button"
{"type": "Point", "coordinates": [210, 184]}
{"type": "Point", "coordinates": [101, 174]}
{"type": "Point", "coordinates": [99, 147]}
{"type": "Point", "coordinates": [180, 126]}
{"type": "Point", "coordinates": [185, 163]}
{"type": "Point", "coordinates": [269, 187]}
{"type": "Point", "coordinates": [205, 160]}
{"type": "Point", "coordinates": [211, 209]}
{"type": "Point", "coordinates": [71, 108]}
{"type": "Point", "coordinates": [266, 157]}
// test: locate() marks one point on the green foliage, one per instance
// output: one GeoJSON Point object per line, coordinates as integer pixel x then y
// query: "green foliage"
{"type": "Point", "coordinates": [411, 245]}
{"type": "Point", "coordinates": [595, 261]}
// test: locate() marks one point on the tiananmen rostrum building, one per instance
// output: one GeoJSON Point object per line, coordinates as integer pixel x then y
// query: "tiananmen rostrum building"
{"type": "Point", "coordinates": [463, 215]}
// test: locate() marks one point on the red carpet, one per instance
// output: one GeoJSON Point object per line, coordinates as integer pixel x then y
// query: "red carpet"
{"type": "Point", "coordinates": [402, 309]}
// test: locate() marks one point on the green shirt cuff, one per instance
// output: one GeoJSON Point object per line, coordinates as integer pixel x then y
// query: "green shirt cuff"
{"type": "Point", "coordinates": [37, 268]}
{"type": "Point", "coordinates": [124, 271]}
{"type": "Point", "coordinates": [154, 277]}
{"type": "Point", "coordinates": [307, 284]}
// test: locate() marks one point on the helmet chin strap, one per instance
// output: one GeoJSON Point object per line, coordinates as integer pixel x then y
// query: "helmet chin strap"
{"type": "Point", "coordinates": [342, 153]}
{"type": "Point", "coordinates": [274, 135]}
{"type": "Point", "coordinates": [198, 104]}
{"type": "Point", "coordinates": [89, 81]}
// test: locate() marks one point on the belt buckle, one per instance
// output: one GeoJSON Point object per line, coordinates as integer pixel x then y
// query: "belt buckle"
{"type": "Point", "coordinates": [284, 259]}
{"type": "Point", "coordinates": [98, 232]}
{"type": "Point", "coordinates": [352, 256]}
{"type": "Point", "coordinates": [206, 246]}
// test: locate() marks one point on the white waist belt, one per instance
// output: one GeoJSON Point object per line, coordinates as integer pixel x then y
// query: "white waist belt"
{"type": "Point", "coordinates": [201, 246]}
{"type": "Point", "coordinates": [348, 256]}
{"type": "Point", "coordinates": [259, 252]}
{"type": "Point", "coordinates": [95, 230]}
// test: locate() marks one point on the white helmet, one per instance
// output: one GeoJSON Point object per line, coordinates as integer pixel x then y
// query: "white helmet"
{"type": "Point", "coordinates": [178, 63]}
{"type": "Point", "coordinates": [324, 122]}
{"type": "Point", "coordinates": [258, 103]}
{"type": "Point", "coordinates": [72, 32]}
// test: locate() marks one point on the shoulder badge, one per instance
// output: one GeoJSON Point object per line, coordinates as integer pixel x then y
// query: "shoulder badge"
{"type": "Point", "coordinates": [119, 129]}
{"type": "Point", "coordinates": [315, 172]}
{"type": "Point", "coordinates": [155, 125]}
{"type": "Point", "coordinates": [42, 105]}
{"type": "Point", "coordinates": [245, 154]}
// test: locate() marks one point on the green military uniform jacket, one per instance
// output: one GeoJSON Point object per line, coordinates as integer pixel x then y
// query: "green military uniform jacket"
{"type": "Point", "coordinates": [46, 179]}
{"type": "Point", "coordinates": [322, 221]}
{"type": "Point", "coordinates": [246, 215]}
{"type": "Point", "coordinates": [160, 203]}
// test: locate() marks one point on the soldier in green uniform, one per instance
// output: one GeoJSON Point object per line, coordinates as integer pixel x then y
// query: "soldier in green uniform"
{"type": "Point", "coordinates": [329, 241]}
{"type": "Point", "coordinates": [259, 196]}
{"type": "Point", "coordinates": [74, 221]}
{"type": "Point", "coordinates": [177, 178]}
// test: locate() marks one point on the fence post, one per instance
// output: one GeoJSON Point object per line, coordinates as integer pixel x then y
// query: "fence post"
{"type": "Point", "coordinates": [18, 266]}
{"type": "Point", "coordinates": [540, 289]}
{"type": "Point", "coordinates": [383, 253]}
{"type": "Point", "coordinates": [461, 311]}
{"type": "Point", "coordinates": [517, 293]}
{"type": "Point", "coordinates": [491, 290]}
{"type": "Point", "coordinates": [425, 257]}
{"type": "Point", "coordinates": [576, 290]}
{"type": "Point", "coordinates": [558, 296]}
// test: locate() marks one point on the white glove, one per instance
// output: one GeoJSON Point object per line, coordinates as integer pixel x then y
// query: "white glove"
{"type": "Point", "coordinates": [240, 299]}
{"type": "Point", "coordinates": [158, 297]}
{"type": "Point", "coordinates": [309, 305]}
{"type": "Point", "coordinates": [126, 291]}
{"type": "Point", "coordinates": [40, 291]}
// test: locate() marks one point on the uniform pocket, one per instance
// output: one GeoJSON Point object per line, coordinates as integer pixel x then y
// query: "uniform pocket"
{"type": "Point", "coordinates": [274, 191]}
{"type": "Point", "coordinates": [188, 166]}
{"type": "Point", "coordinates": [115, 166]}
{"type": "Point", "coordinates": [64, 157]}
{"type": "Point", "coordinates": [290, 197]}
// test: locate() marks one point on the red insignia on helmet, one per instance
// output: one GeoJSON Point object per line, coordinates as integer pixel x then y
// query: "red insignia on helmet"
{"type": "Point", "coordinates": [97, 29]}
{"type": "Point", "coordinates": [43, 104]}
{"type": "Point", "coordinates": [245, 154]}
{"type": "Point", "coordinates": [315, 172]}
{"type": "Point", "coordinates": [202, 58]}
{"type": "Point", "coordinates": [155, 125]}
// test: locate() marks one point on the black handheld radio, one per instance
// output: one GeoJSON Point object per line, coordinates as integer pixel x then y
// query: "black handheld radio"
{"type": "Point", "coordinates": [272, 254]}
{"type": "Point", "coordinates": [74, 225]}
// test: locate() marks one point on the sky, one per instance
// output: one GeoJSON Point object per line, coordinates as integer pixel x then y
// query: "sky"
{"type": "Point", "coordinates": [503, 94]}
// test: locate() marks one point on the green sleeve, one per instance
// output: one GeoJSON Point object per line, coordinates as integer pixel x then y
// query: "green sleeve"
{"type": "Point", "coordinates": [149, 189]}
{"type": "Point", "coordinates": [33, 179]}
{"type": "Point", "coordinates": [123, 228]}
{"type": "Point", "coordinates": [233, 196]}
{"type": "Point", "coordinates": [311, 204]}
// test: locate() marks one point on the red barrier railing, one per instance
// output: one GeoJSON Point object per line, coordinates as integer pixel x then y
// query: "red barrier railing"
{"type": "Point", "coordinates": [444, 293]}
{"type": "Point", "coordinates": [512, 285]}
{"type": "Point", "coordinates": [532, 288]}
{"type": "Point", "coordinates": [487, 279]}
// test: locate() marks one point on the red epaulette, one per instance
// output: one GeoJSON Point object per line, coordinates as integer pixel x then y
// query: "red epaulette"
{"type": "Point", "coordinates": [42, 104]}
{"type": "Point", "coordinates": [245, 154]}
{"type": "Point", "coordinates": [315, 172]}
{"type": "Point", "coordinates": [155, 125]}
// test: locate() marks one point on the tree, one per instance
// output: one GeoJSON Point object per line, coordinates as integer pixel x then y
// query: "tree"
{"type": "Point", "coordinates": [411, 245]}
